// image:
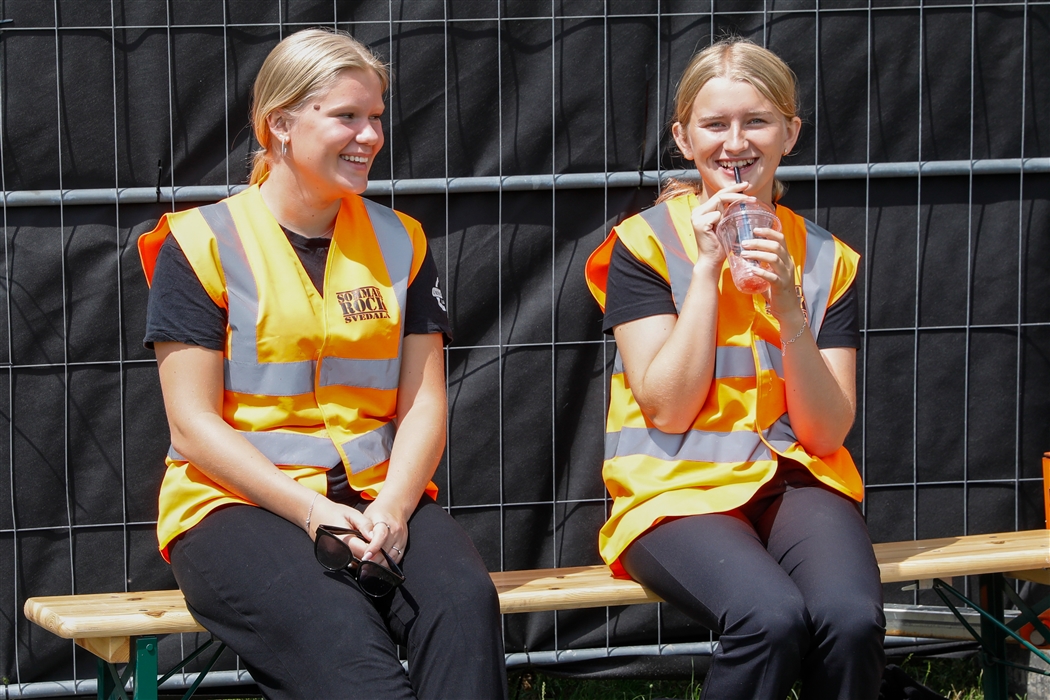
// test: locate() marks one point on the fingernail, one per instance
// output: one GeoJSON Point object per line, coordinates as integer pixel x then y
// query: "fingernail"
{"type": "Point", "coordinates": [366, 556]}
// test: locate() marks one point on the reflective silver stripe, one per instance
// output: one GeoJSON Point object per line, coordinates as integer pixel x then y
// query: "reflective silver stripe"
{"type": "Point", "coordinates": [617, 363]}
{"type": "Point", "coordinates": [270, 378]}
{"type": "Point", "coordinates": [734, 362]}
{"type": "Point", "coordinates": [372, 448]}
{"type": "Point", "coordinates": [770, 357]}
{"type": "Point", "coordinates": [781, 435]}
{"type": "Point", "coordinates": [396, 247]}
{"type": "Point", "coordinates": [288, 449]}
{"type": "Point", "coordinates": [817, 274]}
{"type": "Point", "coordinates": [369, 374]}
{"type": "Point", "coordinates": [691, 446]}
{"type": "Point", "coordinates": [241, 290]}
{"type": "Point", "coordinates": [679, 266]}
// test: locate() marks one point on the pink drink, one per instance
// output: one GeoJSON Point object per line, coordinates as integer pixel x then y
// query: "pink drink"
{"type": "Point", "coordinates": [738, 224]}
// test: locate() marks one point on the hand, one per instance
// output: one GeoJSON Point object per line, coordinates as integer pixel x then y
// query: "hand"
{"type": "Point", "coordinates": [326, 512]}
{"type": "Point", "coordinates": [769, 248]}
{"type": "Point", "coordinates": [389, 532]}
{"type": "Point", "coordinates": [705, 220]}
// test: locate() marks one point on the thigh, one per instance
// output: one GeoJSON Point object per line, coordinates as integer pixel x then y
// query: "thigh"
{"type": "Point", "coordinates": [820, 539]}
{"type": "Point", "coordinates": [712, 567]}
{"type": "Point", "coordinates": [447, 611]}
{"type": "Point", "coordinates": [250, 578]}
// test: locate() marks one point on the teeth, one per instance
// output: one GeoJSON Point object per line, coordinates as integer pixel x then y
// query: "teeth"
{"type": "Point", "coordinates": [354, 159]}
{"type": "Point", "coordinates": [737, 163]}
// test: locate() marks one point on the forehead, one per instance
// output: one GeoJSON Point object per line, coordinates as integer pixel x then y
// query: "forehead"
{"type": "Point", "coordinates": [358, 86]}
{"type": "Point", "coordinates": [727, 96]}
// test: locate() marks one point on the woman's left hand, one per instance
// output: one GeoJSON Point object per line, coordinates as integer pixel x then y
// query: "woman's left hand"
{"type": "Point", "coordinates": [389, 533]}
{"type": "Point", "coordinates": [770, 249]}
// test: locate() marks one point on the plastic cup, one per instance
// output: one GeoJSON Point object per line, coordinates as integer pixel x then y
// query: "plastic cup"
{"type": "Point", "coordinates": [738, 224]}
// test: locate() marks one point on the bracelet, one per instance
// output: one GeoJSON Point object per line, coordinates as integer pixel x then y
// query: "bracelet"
{"type": "Point", "coordinates": [784, 343]}
{"type": "Point", "coordinates": [310, 512]}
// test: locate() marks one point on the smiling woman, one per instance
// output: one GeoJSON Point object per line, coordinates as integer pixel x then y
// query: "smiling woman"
{"type": "Point", "coordinates": [299, 334]}
{"type": "Point", "coordinates": [733, 496]}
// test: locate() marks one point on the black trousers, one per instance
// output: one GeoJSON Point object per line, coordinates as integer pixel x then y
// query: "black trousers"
{"type": "Point", "coordinates": [250, 578]}
{"type": "Point", "coordinates": [791, 584]}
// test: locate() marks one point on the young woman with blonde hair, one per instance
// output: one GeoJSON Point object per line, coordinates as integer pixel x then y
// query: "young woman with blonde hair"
{"type": "Point", "coordinates": [299, 335]}
{"type": "Point", "coordinates": [733, 496]}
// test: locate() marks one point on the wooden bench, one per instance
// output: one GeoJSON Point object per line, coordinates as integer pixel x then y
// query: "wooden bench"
{"type": "Point", "coordinates": [110, 624]}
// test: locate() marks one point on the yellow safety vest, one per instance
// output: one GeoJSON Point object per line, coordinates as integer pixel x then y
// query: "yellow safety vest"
{"type": "Point", "coordinates": [732, 447]}
{"type": "Point", "coordinates": [309, 381]}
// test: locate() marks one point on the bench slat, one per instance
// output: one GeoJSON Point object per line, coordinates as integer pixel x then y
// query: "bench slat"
{"type": "Point", "coordinates": [109, 619]}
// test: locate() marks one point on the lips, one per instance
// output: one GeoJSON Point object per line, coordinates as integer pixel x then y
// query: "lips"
{"type": "Point", "coordinates": [742, 163]}
{"type": "Point", "coordinates": [362, 160]}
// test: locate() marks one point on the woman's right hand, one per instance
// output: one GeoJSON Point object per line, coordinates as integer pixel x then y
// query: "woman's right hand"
{"type": "Point", "coordinates": [705, 220]}
{"type": "Point", "coordinates": [327, 512]}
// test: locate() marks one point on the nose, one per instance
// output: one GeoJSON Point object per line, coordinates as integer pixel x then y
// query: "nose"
{"type": "Point", "coordinates": [736, 139]}
{"type": "Point", "coordinates": [371, 134]}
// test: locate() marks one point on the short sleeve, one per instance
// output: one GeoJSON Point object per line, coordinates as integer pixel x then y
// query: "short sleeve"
{"type": "Point", "coordinates": [179, 310]}
{"type": "Point", "coordinates": [425, 310]}
{"type": "Point", "coordinates": [633, 290]}
{"type": "Point", "coordinates": [841, 327]}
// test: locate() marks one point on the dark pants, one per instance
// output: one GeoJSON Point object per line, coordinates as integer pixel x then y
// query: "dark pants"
{"type": "Point", "coordinates": [791, 584]}
{"type": "Point", "coordinates": [251, 579]}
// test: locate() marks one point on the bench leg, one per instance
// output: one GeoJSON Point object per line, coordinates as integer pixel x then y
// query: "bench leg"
{"type": "Point", "coordinates": [105, 680]}
{"type": "Point", "coordinates": [994, 681]}
{"type": "Point", "coordinates": [146, 668]}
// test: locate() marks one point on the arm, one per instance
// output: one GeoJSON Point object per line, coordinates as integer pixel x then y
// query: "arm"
{"type": "Point", "coordinates": [669, 360]}
{"type": "Point", "coordinates": [422, 409]}
{"type": "Point", "coordinates": [821, 385]}
{"type": "Point", "coordinates": [191, 378]}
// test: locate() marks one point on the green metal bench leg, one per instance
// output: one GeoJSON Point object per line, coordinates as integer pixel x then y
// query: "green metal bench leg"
{"type": "Point", "coordinates": [994, 681]}
{"type": "Point", "coordinates": [105, 681]}
{"type": "Point", "coordinates": [146, 668]}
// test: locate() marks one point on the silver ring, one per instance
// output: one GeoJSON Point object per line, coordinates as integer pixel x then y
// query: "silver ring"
{"type": "Point", "coordinates": [395, 547]}
{"type": "Point", "coordinates": [381, 523]}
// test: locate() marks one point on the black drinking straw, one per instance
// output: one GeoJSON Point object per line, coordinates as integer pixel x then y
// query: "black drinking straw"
{"type": "Point", "coordinates": [747, 224]}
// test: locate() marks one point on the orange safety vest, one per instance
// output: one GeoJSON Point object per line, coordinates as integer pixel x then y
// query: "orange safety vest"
{"type": "Point", "coordinates": [309, 381]}
{"type": "Point", "coordinates": [732, 447]}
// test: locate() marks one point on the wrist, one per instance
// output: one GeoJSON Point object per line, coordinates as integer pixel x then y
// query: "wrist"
{"type": "Point", "coordinates": [707, 270]}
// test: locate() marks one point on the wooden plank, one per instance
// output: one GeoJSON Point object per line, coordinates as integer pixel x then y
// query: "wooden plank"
{"type": "Point", "coordinates": [116, 650]}
{"type": "Point", "coordinates": [963, 556]}
{"type": "Point", "coordinates": [567, 588]}
{"type": "Point", "coordinates": [112, 614]}
{"type": "Point", "coordinates": [120, 615]}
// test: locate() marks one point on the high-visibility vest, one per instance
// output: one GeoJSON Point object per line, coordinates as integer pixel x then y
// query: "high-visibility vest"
{"type": "Point", "coordinates": [309, 381]}
{"type": "Point", "coordinates": [732, 446]}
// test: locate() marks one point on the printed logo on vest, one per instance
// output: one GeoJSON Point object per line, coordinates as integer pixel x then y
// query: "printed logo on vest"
{"type": "Point", "coordinates": [362, 304]}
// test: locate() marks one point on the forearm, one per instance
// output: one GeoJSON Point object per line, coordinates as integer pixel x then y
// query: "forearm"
{"type": "Point", "coordinates": [415, 455]}
{"type": "Point", "coordinates": [820, 404]}
{"type": "Point", "coordinates": [676, 382]}
{"type": "Point", "coordinates": [225, 456]}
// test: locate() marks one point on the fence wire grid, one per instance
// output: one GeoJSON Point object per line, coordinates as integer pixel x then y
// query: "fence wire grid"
{"type": "Point", "coordinates": [567, 136]}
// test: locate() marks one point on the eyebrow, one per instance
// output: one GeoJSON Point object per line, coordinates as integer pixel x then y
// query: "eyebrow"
{"type": "Point", "coordinates": [760, 113]}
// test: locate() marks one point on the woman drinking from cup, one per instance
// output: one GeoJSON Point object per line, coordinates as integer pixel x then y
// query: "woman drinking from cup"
{"type": "Point", "coordinates": [733, 496]}
{"type": "Point", "coordinates": [299, 332]}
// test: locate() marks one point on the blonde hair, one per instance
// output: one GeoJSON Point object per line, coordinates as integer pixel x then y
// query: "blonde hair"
{"type": "Point", "coordinates": [736, 59]}
{"type": "Point", "coordinates": [302, 66]}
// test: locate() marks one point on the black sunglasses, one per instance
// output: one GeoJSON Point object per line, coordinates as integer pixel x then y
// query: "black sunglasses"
{"type": "Point", "coordinates": [372, 578]}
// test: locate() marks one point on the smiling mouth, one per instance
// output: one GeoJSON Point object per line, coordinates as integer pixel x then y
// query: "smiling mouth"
{"type": "Point", "coordinates": [354, 159]}
{"type": "Point", "coordinates": [730, 164]}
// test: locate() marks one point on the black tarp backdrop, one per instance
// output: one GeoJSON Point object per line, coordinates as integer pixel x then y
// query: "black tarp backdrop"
{"type": "Point", "coordinates": [953, 375]}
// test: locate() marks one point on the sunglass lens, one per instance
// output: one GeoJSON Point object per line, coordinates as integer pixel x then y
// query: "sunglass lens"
{"type": "Point", "coordinates": [375, 580]}
{"type": "Point", "coordinates": [331, 552]}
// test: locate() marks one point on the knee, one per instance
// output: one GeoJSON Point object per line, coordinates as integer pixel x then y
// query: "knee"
{"type": "Point", "coordinates": [851, 626]}
{"type": "Point", "coordinates": [779, 624]}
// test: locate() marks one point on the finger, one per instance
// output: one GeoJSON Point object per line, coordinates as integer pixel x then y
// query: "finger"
{"type": "Point", "coordinates": [380, 535]}
{"type": "Point", "coordinates": [359, 521]}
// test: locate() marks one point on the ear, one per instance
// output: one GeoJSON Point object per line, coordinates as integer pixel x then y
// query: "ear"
{"type": "Point", "coordinates": [682, 140]}
{"type": "Point", "coordinates": [794, 127]}
{"type": "Point", "coordinates": [278, 123]}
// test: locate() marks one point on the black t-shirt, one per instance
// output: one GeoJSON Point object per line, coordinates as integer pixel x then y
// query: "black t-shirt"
{"type": "Point", "coordinates": [181, 311]}
{"type": "Point", "coordinates": [634, 290]}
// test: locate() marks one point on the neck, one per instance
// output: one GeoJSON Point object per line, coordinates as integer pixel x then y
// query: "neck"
{"type": "Point", "coordinates": [296, 208]}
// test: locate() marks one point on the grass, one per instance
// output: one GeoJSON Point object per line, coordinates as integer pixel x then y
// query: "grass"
{"type": "Point", "coordinates": [956, 679]}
